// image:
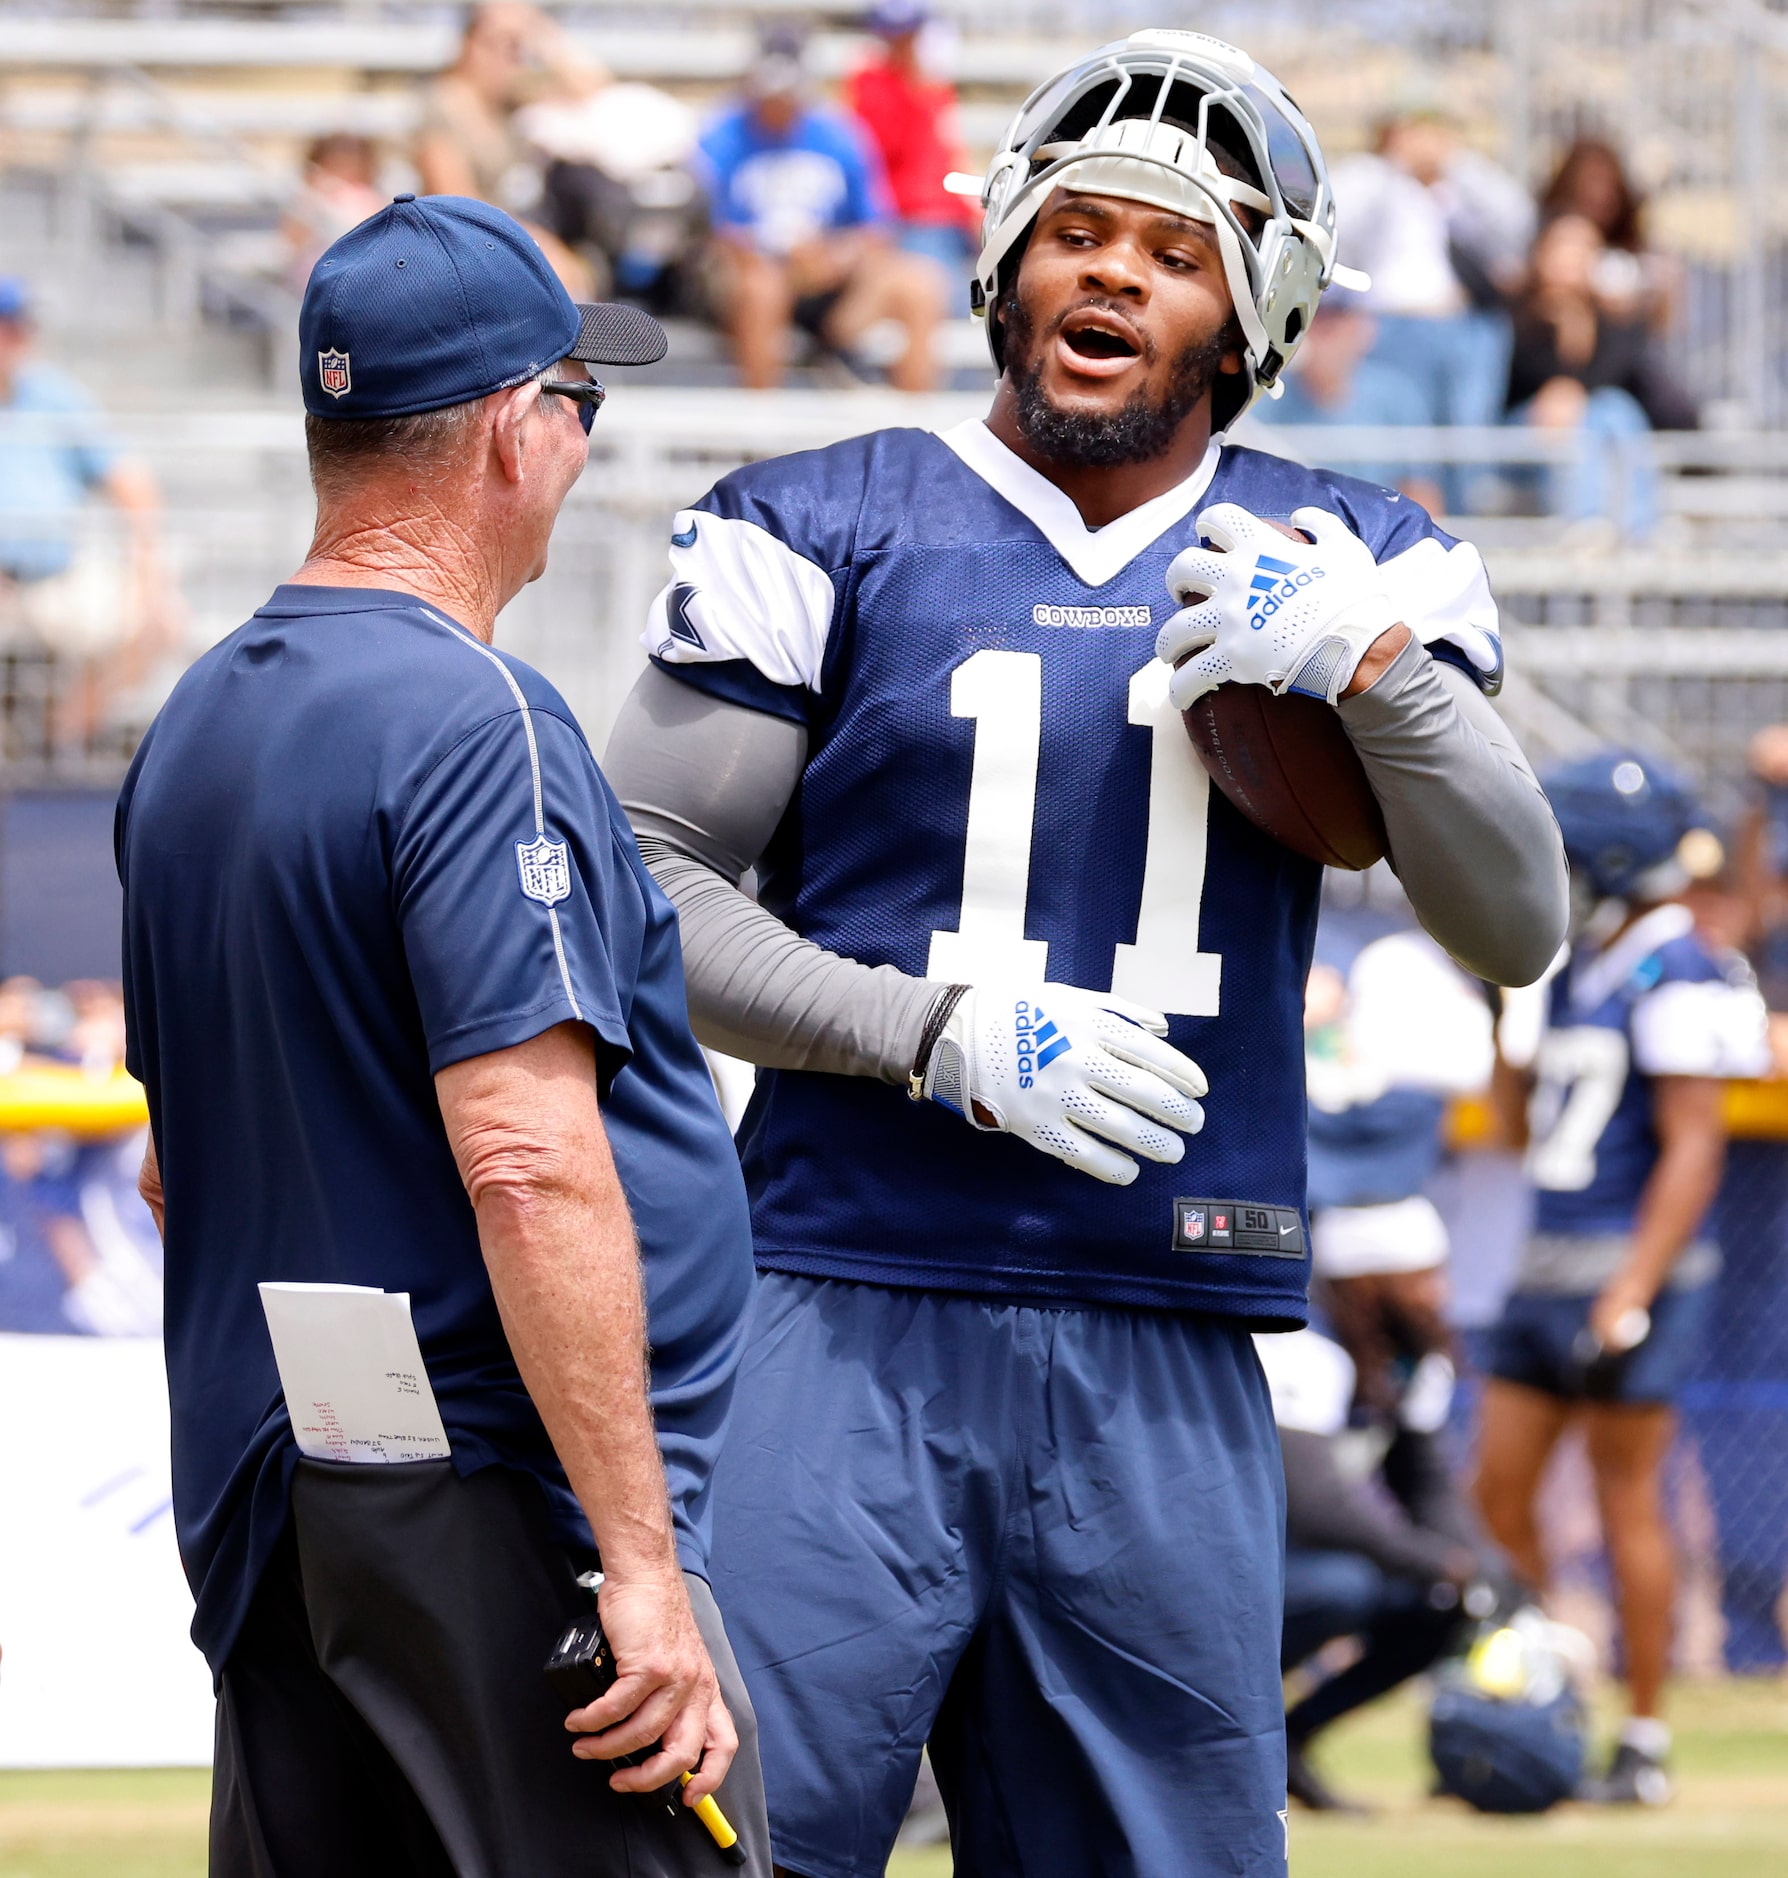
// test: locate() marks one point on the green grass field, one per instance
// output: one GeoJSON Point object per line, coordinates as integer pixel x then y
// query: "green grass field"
{"type": "Point", "coordinates": [1731, 1820]}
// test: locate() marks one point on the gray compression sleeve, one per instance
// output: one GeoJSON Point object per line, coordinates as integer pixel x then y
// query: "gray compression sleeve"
{"type": "Point", "coordinates": [705, 784]}
{"type": "Point", "coordinates": [1472, 837]}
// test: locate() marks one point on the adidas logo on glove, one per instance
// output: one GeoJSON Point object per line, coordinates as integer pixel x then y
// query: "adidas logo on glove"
{"type": "Point", "coordinates": [1124, 1095]}
{"type": "Point", "coordinates": [1273, 584]}
{"type": "Point", "coordinates": [1036, 1039]}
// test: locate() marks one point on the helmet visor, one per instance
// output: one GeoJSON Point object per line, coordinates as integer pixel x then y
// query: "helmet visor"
{"type": "Point", "coordinates": [1288, 152]}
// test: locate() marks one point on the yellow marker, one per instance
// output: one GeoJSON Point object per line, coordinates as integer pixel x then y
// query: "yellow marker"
{"type": "Point", "coordinates": [719, 1827]}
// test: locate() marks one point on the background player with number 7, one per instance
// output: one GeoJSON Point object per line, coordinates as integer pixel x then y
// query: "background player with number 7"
{"type": "Point", "coordinates": [1004, 1474]}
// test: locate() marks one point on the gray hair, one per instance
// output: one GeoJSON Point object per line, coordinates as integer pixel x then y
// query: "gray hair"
{"type": "Point", "coordinates": [342, 449]}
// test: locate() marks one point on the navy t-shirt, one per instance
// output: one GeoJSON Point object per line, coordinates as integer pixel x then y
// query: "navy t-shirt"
{"type": "Point", "coordinates": [358, 845]}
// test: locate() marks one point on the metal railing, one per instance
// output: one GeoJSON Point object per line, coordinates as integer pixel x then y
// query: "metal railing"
{"type": "Point", "coordinates": [1680, 648]}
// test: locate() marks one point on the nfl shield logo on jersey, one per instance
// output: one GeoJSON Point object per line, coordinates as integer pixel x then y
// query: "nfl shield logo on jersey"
{"type": "Point", "coordinates": [332, 369]}
{"type": "Point", "coordinates": [545, 870]}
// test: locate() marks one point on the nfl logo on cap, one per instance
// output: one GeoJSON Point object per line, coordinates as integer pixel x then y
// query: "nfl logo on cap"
{"type": "Point", "coordinates": [332, 370]}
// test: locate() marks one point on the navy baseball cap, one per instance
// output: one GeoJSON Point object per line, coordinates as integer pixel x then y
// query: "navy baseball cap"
{"type": "Point", "coordinates": [440, 301]}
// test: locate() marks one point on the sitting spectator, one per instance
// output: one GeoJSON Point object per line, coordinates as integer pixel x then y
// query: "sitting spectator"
{"type": "Point", "coordinates": [1578, 366]}
{"type": "Point", "coordinates": [339, 192]}
{"type": "Point", "coordinates": [802, 230]}
{"type": "Point", "coordinates": [1631, 278]}
{"type": "Point", "coordinates": [58, 592]}
{"type": "Point", "coordinates": [1335, 379]}
{"type": "Point", "coordinates": [911, 118]}
{"type": "Point", "coordinates": [618, 189]}
{"type": "Point", "coordinates": [467, 143]}
{"type": "Point", "coordinates": [1441, 230]}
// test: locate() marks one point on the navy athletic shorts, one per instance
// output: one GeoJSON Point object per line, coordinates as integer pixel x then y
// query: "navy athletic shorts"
{"type": "Point", "coordinates": [1533, 1344]}
{"type": "Point", "coordinates": [1049, 1542]}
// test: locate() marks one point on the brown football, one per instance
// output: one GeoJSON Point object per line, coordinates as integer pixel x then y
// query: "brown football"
{"type": "Point", "coordinates": [1287, 764]}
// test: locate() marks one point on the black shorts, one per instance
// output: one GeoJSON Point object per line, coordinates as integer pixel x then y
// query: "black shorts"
{"type": "Point", "coordinates": [384, 1714]}
{"type": "Point", "coordinates": [811, 311]}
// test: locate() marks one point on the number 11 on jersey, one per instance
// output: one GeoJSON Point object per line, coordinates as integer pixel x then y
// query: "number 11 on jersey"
{"type": "Point", "coordinates": [1003, 692]}
{"type": "Point", "coordinates": [1164, 968]}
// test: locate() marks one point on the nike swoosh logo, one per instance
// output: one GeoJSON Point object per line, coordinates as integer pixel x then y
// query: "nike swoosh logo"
{"type": "Point", "coordinates": [1285, 1232]}
{"type": "Point", "coordinates": [686, 539]}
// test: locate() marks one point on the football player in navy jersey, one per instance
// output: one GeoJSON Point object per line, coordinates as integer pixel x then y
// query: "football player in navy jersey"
{"type": "Point", "coordinates": [1626, 1145]}
{"type": "Point", "coordinates": [1003, 1474]}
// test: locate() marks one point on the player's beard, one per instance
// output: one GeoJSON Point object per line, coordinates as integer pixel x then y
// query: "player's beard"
{"type": "Point", "coordinates": [1142, 428]}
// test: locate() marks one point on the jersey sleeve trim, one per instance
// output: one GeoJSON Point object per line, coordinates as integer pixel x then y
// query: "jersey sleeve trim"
{"type": "Point", "coordinates": [739, 592]}
{"type": "Point", "coordinates": [1705, 1028]}
{"type": "Point", "coordinates": [1442, 594]}
{"type": "Point", "coordinates": [738, 681]}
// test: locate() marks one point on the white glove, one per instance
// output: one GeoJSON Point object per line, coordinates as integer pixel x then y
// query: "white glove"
{"type": "Point", "coordinates": [1060, 1067]}
{"type": "Point", "coordinates": [1261, 609]}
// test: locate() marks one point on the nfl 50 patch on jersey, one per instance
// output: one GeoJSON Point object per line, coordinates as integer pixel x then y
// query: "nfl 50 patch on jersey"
{"type": "Point", "coordinates": [1275, 1232]}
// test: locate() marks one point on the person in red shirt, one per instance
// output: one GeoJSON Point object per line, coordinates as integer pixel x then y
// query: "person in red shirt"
{"type": "Point", "coordinates": [911, 118]}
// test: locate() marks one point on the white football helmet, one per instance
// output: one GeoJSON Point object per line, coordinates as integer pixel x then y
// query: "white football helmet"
{"type": "Point", "coordinates": [1148, 118]}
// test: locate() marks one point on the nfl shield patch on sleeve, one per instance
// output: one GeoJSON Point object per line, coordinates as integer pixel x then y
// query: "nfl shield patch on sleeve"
{"type": "Point", "coordinates": [545, 869]}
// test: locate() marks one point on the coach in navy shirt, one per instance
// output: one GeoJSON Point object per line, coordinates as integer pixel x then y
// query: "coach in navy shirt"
{"type": "Point", "coordinates": [410, 1014]}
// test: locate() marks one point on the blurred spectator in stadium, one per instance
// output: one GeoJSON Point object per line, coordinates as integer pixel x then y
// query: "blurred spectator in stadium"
{"type": "Point", "coordinates": [467, 143]}
{"type": "Point", "coordinates": [910, 116]}
{"type": "Point", "coordinates": [68, 595]}
{"type": "Point", "coordinates": [1335, 379]}
{"type": "Point", "coordinates": [1442, 231]}
{"type": "Point", "coordinates": [1614, 1295]}
{"type": "Point", "coordinates": [1630, 277]}
{"type": "Point", "coordinates": [618, 188]}
{"type": "Point", "coordinates": [341, 173]}
{"type": "Point", "coordinates": [801, 221]}
{"type": "Point", "coordinates": [1582, 367]}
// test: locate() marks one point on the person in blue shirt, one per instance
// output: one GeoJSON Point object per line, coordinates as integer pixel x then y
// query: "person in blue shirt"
{"type": "Point", "coordinates": [1003, 1476]}
{"type": "Point", "coordinates": [409, 1012]}
{"type": "Point", "coordinates": [54, 453]}
{"type": "Point", "coordinates": [1627, 1140]}
{"type": "Point", "coordinates": [803, 231]}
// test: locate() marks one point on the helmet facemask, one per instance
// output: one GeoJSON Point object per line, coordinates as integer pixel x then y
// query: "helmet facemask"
{"type": "Point", "coordinates": [1188, 124]}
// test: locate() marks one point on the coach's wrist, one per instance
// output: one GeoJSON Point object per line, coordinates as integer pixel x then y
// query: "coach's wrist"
{"type": "Point", "coordinates": [1381, 654]}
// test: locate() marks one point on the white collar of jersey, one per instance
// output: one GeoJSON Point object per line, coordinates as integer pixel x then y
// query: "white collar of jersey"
{"type": "Point", "coordinates": [1600, 974]}
{"type": "Point", "coordinates": [1095, 554]}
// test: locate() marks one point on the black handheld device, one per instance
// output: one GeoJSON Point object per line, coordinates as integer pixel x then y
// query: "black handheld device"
{"type": "Point", "coordinates": [581, 1669]}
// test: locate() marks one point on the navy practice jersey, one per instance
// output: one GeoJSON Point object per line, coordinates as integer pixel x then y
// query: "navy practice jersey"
{"type": "Point", "coordinates": [1656, 1002]}
{"type": "Point", "coordinates": [997, 790]}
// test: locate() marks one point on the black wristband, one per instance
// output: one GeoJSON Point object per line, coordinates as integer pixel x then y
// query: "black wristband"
{"type": "Point", "coordinates": [943, 1007]}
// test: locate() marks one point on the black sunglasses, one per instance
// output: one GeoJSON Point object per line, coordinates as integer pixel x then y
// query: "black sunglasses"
{"type": "Point", "coordinates": [586, 393]}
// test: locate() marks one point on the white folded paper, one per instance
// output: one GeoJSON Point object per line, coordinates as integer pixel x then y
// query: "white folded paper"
{"type": "Point", "coordinates": [352, 1371]}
